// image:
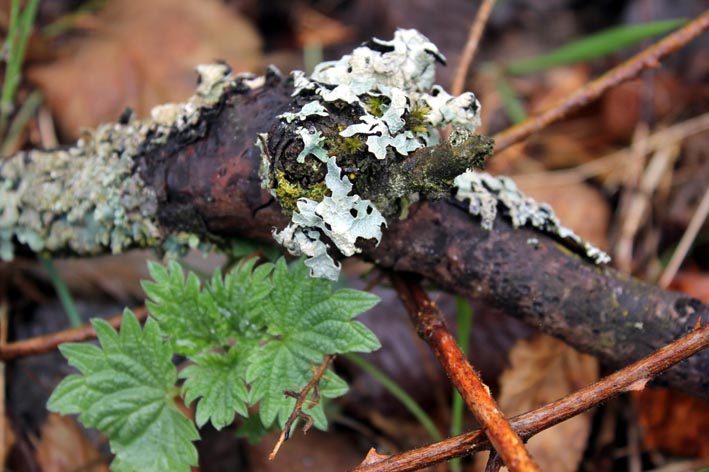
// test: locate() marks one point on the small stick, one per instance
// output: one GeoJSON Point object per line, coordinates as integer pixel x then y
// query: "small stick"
{"type": "Point", "coordinates": [49, 342]}
{"type": "Point", "coordinates": [695, 224]}
{"type": "Point", "coordinates": [431, 327]}
{"type": "Point", "coordinates": [633, 377]}
{"type": "Point", "coordinates": [471, 46]}
{"type": "Point", "coordinates": [298, 408]}
{"type": "Point", "coordinates": [648, 58]}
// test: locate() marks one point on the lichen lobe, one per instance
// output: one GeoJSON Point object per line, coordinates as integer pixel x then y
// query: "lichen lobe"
{"type": "Point", "coordinates": [354, 119]}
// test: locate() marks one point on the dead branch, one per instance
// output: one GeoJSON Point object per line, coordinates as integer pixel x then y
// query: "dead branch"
{"type": "Point", "coordinates": [301, 398]}
{"type": "Point", "coordinates": [49, 342]}
{"type": "Point", "coordinates": [432, 328]}
{"type": "Point", "coordinates": [646, 59]}
{"type": "Point", "coordinates": [201, 177]}
{"type": "Point", "coordinates": [633, 377]}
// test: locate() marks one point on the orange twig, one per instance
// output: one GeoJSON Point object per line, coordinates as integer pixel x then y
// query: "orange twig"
{"type": "Point", "coordinates": [633, 377]}
{"type": "Point", "coordinates": [49, 342]}
{"type": "Point", "coordinates": [471, 46]}
{"type": "Point", "coordinates": [432, 329]}
{"type": "Point", "coordinates": [298, 408]}
{"type": "Point", "coordinates": [649, 57]}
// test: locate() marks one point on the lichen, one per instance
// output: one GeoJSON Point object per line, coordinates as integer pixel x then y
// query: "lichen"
{"type": "Point", "coordinates": [488, 196]}
{"type": "Point", "coordinates": [88, 198]}
{"type": "Point", "coordinates": [387, 106]}
{"type": "Point", "coordinates": [342, 217]}
{"type": "Point", "coordinates": [288, 193]}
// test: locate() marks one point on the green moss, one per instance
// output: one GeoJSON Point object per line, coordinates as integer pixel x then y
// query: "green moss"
{"type": "Point", "coordinates": [376, 105]}
{"type": "Point", "coordinates": [417, 119]}
{"type": "Point", "coordinates": [288, 193]}
{"type": "Point", "coordinates": [342, 147]}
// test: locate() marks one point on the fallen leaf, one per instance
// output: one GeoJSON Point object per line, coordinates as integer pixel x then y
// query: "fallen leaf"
{"type": "Point", "coordinates": [673, 422]}
{"type": "Point", "coordinates": [140, 54]}
{"type": "Point", "coordinates": [64, 446]}
{"type": "Point", "coordinates": [544, 369]}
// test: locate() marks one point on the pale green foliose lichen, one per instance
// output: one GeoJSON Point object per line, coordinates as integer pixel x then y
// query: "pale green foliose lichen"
{"type": "Point", "coordinates": [487, 194]}
{"type": "Point", "coordinates": [312, 144]}
{"type": "Point", "coordinates": [398, 75]}
{"type": "Point", "coordinates": [88, 199]}
{"type": "Point", "coordinates": [341, 217]}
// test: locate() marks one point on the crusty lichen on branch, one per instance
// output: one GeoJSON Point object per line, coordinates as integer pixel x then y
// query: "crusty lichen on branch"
{"type": "Point", "coordinates": [367, 123]}
{"type": "Point", "coordinates": [89, 199]}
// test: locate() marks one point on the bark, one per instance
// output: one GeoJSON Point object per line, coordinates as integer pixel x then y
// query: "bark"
{"type": "Point", "coordinates": [208, 184]}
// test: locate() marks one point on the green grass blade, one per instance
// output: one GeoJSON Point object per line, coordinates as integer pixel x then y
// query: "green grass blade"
{"type": "Point", "coordinates": [510, 101]}
{"type": "Point", "coordinates": [62, 292]}
{"type": "Point", "coordinates": [403, 397]}
{"type": "Point", "coordinates": [600, 44]}
{"type": "Point", "coordinates": [15, 46]}
{"type": "Point", "coordinates": [464, 320]}
{"type": "Point", "coordinates": [23, 116]}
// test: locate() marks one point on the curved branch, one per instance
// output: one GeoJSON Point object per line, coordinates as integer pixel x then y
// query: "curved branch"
{"type": "Point", "coordinates": [202, 177]}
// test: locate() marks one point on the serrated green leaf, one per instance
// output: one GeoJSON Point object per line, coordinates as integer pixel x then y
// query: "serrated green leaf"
{"type": "Point", "coordinates": [306, 321]}
{"type": "Point", "coordinates": [594, 46]}
{"type": "Point", "coordinates": [126, 389]}
{"type": "Point", "coordinates": [218, 378]}
{"type": "Point", "coordinates": [238, 297]}
{"type": "Point", "coordinates": [185, 313]}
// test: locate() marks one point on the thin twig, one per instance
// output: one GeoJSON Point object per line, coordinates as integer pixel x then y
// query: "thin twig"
{"type": "Point", "coordinates": [431, 327]}
{"type": "Point", "coordinates": [633, 377]}
{"type": "Point", "coordinates": [49, 342]}
{"type": "Point", "coordinates": [471, 46]}
{"type": "Point", "coordinates": [301, 398]}
{"type": "Point", "coordinates": [695, 224]}
{"type": "Point", "coordinates": [673, 134]}
{"type": "Point", "coordinates": [649, 57]}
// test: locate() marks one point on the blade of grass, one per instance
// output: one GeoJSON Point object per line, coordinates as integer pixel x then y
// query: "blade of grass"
{"type": "Point", "coordinates": [62, 291]}
{"type": "Point", "coordinates": [25, 114]}
{"type": "Point", "coordinates": [15, 46]}
{"type": "Point", "coordinates": [592, 47]}
{"type": "Point", "coordinates": [510, 102]}
{"type": "Point", "coordinates": [464, 321]}
{"type": "Point", "coordinates": [398, 393]}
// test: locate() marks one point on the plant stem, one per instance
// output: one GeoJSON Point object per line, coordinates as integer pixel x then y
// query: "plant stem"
{"type": "Point", "coordinates": [464, 320]}
{"type": "Point", "coordinates": [15, 45]}
{"type": "Point", "coordinates": [62, 291]}
{"type": "Point", "coordinates": [404, 398]}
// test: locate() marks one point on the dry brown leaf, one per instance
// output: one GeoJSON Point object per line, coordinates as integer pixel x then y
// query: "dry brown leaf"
{"type": "Point", "coordinates": [673, 422]}
{"type": "Point", "coordinates": [143, 53]}
{"type": "Point", "coordinates": [544, 369]}
{"type": "Point", "coordinates": [63, 446]}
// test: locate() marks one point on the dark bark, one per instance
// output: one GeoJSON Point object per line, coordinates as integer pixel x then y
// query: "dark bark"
{"type": "Point", "coordinates": [211, 186]}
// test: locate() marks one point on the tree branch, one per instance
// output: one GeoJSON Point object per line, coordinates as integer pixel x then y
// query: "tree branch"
{"type": "Point", "coordinates": [192, 171]}
{"type": "Point", "coordinates": [432, 328]}
{"type": "Point", "coordinates": [528, 424]}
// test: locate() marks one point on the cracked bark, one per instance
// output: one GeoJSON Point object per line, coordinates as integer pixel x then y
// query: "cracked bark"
{"type": "Point", "coordinates": [209, 185]}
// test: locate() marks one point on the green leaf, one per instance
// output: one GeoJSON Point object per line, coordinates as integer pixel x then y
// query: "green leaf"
{"type": "Point", "coordinates": [594, 46]}
{"type": "Point", "coordinates": [126, 390]}
{"type": "Point", "coordinates": [239, 296]}
{"type": "Point", "coordinates": [218, 379]}
{"type": "Point", "coordinates": [186, 314]}
{"type": "Point", "coordinates": [306, 321]}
